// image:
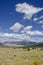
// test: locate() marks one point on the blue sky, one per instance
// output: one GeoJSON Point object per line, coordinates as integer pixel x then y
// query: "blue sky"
{"type": "Point", "coordinates": [21, 20]}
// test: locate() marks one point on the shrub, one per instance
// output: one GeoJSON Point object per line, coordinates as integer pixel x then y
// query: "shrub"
{"type": "Point", "coordinates": [14, 55]}
{"type": "Point", "coordinates": [28, 49]}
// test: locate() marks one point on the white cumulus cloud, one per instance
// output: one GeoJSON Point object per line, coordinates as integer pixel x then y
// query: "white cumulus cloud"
{"type": "Point", "coordinates": [39, 18]}
{"type": "Point", "coordinates": [41, 22]}
{"type": "Point", "coordinates": [27, 28]}
{"type": "Point", "coordinates": [36, 32]}
{"type": "Point", "coordinates": [16, 27]}
{"type": "Point", "coordinates": [10, 37]}
{"type": "Point", "coordinates": [27, 9]}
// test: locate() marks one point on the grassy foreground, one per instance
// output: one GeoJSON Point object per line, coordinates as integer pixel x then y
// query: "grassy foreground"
{"type": "Point", "coordinates": [20, 56]}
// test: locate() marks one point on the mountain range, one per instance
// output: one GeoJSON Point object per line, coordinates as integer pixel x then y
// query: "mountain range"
{"type": "Point", "coordinates": [22, 43]}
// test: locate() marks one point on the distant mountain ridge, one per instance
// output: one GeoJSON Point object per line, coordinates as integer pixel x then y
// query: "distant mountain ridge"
{"type": "Point", "coordinates": [22, 43]}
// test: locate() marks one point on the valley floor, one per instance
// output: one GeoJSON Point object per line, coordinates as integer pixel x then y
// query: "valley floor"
{"type": "Point", "coordinates": [20, 56]}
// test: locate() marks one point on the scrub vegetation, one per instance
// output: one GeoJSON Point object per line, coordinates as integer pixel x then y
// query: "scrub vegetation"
{"type": "Point", "coordinates": [21, 56]}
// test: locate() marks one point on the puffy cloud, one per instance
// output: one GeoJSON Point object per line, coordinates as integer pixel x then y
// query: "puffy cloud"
{"type": "Point", "coordinates": [38, 19]}
{"type": "Point", "coordinates": [41, 22]}
{"type": "Point", "coordinates": [16, 27]}
{"type": "Point", "coordinates": [13, 37]}
{"type": "Point", "coordinates": [27, 9]}
{"type": "Point", "coordinates": [37, 39]}
{"type": "Point", "coordinates": [35, 19]}
{"type": "Point", "coordinates": [27, 28]}
{"type": "Point", "coordinates": [28, 31]}
{"type": "Point", "coordinates": [36, 32]}
{"type": "Point", "coordinates": [41, 17]}
{"type": "Point", "coordinates": [10, 37]}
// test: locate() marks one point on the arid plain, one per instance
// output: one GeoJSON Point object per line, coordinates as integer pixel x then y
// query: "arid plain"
{"type": "Point", "coordinates": [20, 56]}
